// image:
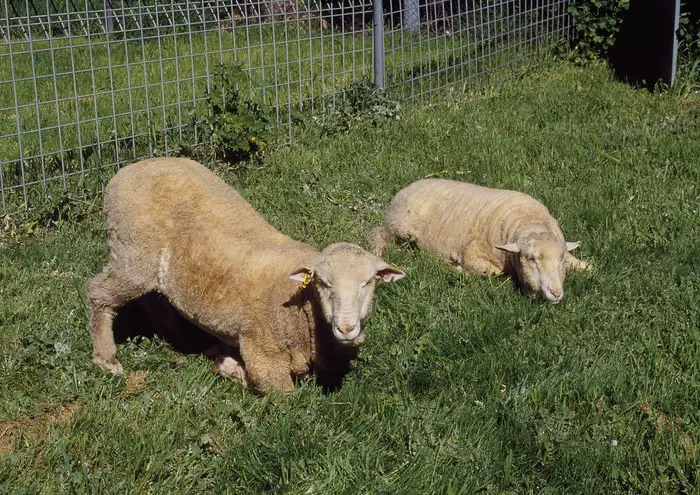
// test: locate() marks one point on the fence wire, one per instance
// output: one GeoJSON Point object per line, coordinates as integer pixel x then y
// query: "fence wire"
{"type": "Point", "coordinates": [88, 85]}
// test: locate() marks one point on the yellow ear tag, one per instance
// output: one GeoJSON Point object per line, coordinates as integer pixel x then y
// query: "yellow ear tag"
{"type": "Point", "coordinates": [305, 283]}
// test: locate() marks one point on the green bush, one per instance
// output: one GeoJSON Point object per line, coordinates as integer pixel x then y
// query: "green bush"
{"type": "Point", "coordinates": [360, 104]}
{"type": "Point", "coordinates": [235, 127]}
{"type": "Point", "coordinates": [597, 23]}
{"type": "Point", "coordinates": [689, 30]}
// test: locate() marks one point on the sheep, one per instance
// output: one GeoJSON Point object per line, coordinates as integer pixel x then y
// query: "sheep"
{"type": "Point", "coordinates": [175, 228]}
{"type": "Point", "coordinates": [483, 231]}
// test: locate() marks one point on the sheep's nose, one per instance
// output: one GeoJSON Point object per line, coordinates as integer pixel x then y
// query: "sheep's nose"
{"type": "Point", "coordinates": [348, 334]}
{"type": "Point", "coordinates": [555, 292]}
{"type": "Point", "coordinates": [346, 329]}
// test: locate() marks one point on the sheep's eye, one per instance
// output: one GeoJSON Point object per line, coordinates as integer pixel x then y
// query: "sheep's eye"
{"type": "Point", "coordinates": [324, 283]}
{"type": "Point", "coordinates": [365, 283]}
{"type": "Point", "coordinates": [530, 258]}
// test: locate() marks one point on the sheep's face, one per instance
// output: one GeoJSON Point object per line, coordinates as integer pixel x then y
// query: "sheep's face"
{"type": "Point", "coordinates": [343, 278]}
{"type": "Point", "coordinates": [541, 266]}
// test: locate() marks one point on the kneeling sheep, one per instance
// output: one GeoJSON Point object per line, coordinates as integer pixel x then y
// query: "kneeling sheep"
{"type": "Point", "coordinates": [176, 228]}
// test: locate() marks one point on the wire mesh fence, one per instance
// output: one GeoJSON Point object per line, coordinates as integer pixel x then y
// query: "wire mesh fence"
{"type": "Point", "coordinates": [435, 44]}
{"type": "Point", "coordinates": [88, 85]}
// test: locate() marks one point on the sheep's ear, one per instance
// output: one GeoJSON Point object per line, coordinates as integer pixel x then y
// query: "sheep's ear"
{"type": "Point", "coordinates": [511, 248]}
{"type": "Point", "coordinates": [570, 246]}
{"type": "Point", "coordinates": [302, 274]}
{"type": "Point", "coordinates": [387, 273]}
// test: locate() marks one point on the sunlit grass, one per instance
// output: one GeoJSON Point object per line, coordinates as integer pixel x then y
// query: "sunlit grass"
{"type": "Point", "coordinates": [463, 385]}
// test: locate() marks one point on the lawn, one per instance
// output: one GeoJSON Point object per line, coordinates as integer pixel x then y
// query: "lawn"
{"type": "Point", "coordinates": [463, 385]}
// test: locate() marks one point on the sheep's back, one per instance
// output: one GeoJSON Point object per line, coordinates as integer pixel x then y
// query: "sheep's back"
{"type": "Point", "coordinates": [442, 215]}
{"type": "Point", "coordinates": [166, 199]}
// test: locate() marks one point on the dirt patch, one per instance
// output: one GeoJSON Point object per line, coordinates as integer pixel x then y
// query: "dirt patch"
{"type": "Point", "coordinates": [30, 428]}
{"type": "Point", "coordinates": [689, 446]}
{"type": "Point", "coordinates": [674, 426]}
{"type": "Point", "coordinates": [660, 419]}
{"type": "Point", "coordinates": [645, 408]}
{"type": "Point", "coordinates": [135, 383]}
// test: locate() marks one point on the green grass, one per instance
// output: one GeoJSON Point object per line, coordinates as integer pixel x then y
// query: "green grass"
{"type": "Point", "coordinates": [463, 386]}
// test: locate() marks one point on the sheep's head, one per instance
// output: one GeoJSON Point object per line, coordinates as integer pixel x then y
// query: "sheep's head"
{"type": "Point", "coordinates": [540, 264]}
{"type": "Point", "coordinates": [343, 278]}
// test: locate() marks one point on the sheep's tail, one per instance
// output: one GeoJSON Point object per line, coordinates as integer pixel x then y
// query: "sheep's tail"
{"type": "Point", "coordinates": [379, 238]}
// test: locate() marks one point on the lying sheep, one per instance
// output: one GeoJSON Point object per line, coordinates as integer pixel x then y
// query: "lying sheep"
{"type": "Point", "coordinates": [177, 229]}
{"type": "Point", "coordinates": [483, 231]}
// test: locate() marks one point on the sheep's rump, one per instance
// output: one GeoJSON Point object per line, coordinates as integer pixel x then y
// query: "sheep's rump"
{"type": "Point", "coordinates": [162, 197]}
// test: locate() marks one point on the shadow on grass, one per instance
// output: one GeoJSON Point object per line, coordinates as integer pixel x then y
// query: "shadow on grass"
{"type": "Point", "coordinates": [152, 315]}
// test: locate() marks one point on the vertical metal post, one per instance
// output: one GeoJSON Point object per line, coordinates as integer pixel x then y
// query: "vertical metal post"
{"type": "Point", "coordinates": [378, 48]}
{"type": "Point", "coordinates": [674, 50]}
{"type": "Point", "coordinates": [411, 15]}
{"type": "Point", "coordinates": [109, 17]}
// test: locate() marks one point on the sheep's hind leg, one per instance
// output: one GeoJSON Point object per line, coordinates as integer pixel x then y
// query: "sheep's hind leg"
{"type": "Point", "coordinates": [229, 368]}
{"type": "Point", "coordinates": [106, 293]}
{"type": "Point", "coordinates": [573, 263]}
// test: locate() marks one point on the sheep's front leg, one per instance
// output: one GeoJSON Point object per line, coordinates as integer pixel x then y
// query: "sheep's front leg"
{"type": "Point", "coordinates": [106, 293]}
{"type": "Point", "coordinates": [476, 261]}
{"type": "Point", "coordinates": [481, 266]}
{"type": "Point", "coordinates": [267, 368]}
{"type": "Point", "coordinates": [379, 239]}
{"type": "Point", "coordinates": [573, 263]}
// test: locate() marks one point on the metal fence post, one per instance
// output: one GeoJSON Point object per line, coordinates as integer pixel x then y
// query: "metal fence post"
{"type": "Point", "coordinates": [411, 15]}
{"type": "Point", "coordinates": [378, 48]}
{"type": "Point", "coordinates": [674, 50]}
{"type": "Point", "coordinates": [109, 17]}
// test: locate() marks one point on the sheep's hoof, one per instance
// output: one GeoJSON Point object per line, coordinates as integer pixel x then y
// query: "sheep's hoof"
{"type": "Point", "coordinates": [229, 368]}
{"type": "Point", "coordinates": [111, 365]}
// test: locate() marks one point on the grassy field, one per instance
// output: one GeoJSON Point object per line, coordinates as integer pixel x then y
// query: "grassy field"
{"type": "Point", "coordinates": [463, 386]}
